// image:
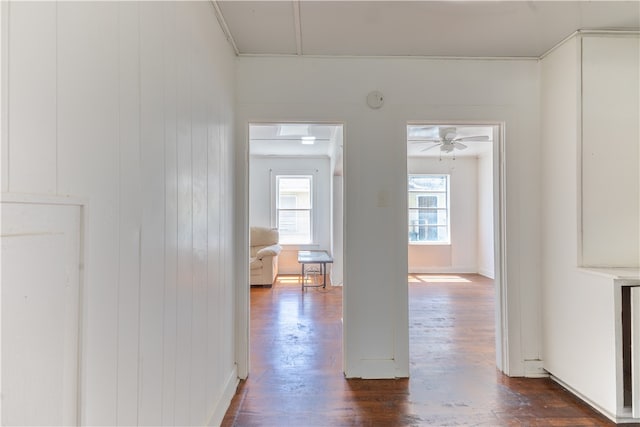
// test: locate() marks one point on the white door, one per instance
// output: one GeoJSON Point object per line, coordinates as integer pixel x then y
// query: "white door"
{"type": "Point", "coordinates": [40, 281]}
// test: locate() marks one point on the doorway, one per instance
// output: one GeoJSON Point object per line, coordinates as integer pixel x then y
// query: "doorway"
{"type": "Point", "coordinates": [454, 207]}
{"type": "Point", "coordinates": [296, 186]}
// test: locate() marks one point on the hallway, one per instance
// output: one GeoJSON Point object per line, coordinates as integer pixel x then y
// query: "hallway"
{"type": "Point", "coordinates": [296, 358]}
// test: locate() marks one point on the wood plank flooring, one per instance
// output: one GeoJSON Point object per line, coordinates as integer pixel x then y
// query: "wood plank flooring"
{"type": "Point", "coordinates": [296, 358]}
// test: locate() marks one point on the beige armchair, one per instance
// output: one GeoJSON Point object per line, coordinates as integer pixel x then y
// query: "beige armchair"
{"type": "Point", "coordinates": [264, 251]}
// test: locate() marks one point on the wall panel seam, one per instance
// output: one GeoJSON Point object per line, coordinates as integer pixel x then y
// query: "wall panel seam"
{"type": "Point", "coordinates": [140, 213]}
{"type": "Point", "coordinates": [57, 162]}
{"type": "Point", "coordinates": [119, 216]}
{"type": "Point", "coordinates": [8, 96]}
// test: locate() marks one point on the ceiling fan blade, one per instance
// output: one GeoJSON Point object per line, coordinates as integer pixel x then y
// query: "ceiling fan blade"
{"type": "Point", "coordinates": [459, 146]}
{"type": "Point", "coordinates": [424, 140]}
{"type": "Point", "coordinates": [429, 148]}
{"type": "Point", "coordinates": [472, 138]}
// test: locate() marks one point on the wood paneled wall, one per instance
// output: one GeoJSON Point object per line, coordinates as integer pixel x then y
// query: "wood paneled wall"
{"type": "Point", "coordinates": [130, 106]}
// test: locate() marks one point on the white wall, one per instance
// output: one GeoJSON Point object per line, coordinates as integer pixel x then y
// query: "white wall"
{"type": "Point", "coordinates": [263, 169]}
{"type": "Point", "coordinates": [461, 255]}
{"type": "Point", "coordinates": [486, 247]}
{"type": "Point", "coordinates": [130, 106]}
{"type": "Point", "coordinates": [580, 311]}
{"type": "Point", "coordinates": [375, 173]}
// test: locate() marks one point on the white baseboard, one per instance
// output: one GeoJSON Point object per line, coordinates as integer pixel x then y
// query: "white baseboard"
{"type": "Point", "coordinates": [443, 270]}
{"type": "Point", "coordinates": [374, 369]}
{"type": "Point", "coordinates": [486, 273]}
{"type": "Point", "coordinates": [609, 415]}
{"type": "Point", "coordinates": [534, 369]}
{"type": "Point", "coordinates": [228, 392]}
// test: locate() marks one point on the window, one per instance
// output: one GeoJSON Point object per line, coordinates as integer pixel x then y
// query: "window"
{"type": "Point", "coordinates": [293, 208]}
{"type": "Point", "coordinates": [429, 209]}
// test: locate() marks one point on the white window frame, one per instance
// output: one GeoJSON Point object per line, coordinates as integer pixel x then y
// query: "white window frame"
{"type": "Point", "coordinates": [312, 174]}
{"type": "Point", "coordinates": [447, 209]}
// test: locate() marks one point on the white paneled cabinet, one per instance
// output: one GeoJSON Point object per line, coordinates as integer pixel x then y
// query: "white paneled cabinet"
{"type": "Point", "coordinates": [635, 351]}
{"type": "Point", "coordinates": [591, 187]}
{"type": "Point", "coordinates": [610, 151]}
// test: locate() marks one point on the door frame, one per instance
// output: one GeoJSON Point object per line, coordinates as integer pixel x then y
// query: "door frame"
{"type": "Point", "coordinates": [242, 325]}
{"type": "Point", "coordinates": [243, 298]}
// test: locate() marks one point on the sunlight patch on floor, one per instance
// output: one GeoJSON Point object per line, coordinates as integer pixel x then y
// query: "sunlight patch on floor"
{"type": "Point", "coordinates": [289, 279]}
{"type": "Point", "coordinates": [437, 278]}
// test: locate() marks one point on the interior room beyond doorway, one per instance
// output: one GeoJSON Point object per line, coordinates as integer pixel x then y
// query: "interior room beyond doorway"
{"type": "Point", "coordinates": [296, 187]}
{"type": "Point", "coordinates": [450, 190]}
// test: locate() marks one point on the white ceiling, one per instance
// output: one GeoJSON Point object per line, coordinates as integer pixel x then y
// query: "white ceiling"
{"type": "Point", "coordinates": [416, 28]}
{"type": "Point", "coordinates": [285, 140]}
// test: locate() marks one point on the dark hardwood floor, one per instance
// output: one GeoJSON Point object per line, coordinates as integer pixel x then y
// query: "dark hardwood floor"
{"type": "Point", "coordinates": [296, 358]}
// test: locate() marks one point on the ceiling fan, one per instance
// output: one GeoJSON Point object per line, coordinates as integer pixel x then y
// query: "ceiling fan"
{"type": "Point", "coordinates": [444, 137]}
